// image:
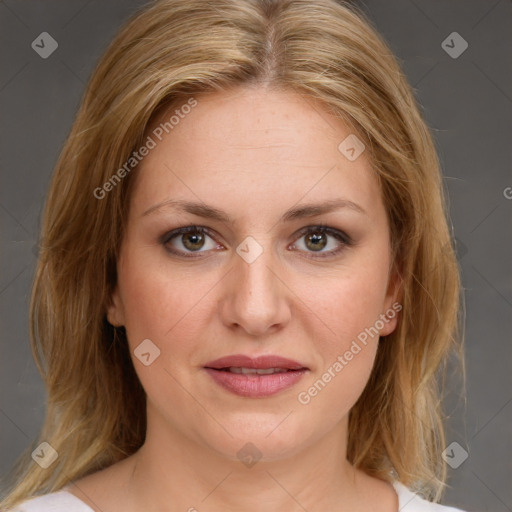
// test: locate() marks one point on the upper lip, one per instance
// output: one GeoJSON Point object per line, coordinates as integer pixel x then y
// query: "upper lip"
{"type": "Point", "coordinates": [261, 362]}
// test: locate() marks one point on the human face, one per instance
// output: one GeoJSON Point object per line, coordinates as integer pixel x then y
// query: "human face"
{"type": "Point", "coordinates": [254, 155]}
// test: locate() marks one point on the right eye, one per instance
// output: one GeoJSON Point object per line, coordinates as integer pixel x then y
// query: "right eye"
{"type": "Point", "coordinates": [188, 240]}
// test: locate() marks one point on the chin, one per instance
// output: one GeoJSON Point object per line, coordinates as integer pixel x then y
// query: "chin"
{"type": "Point", "coordinates": [260, 437]}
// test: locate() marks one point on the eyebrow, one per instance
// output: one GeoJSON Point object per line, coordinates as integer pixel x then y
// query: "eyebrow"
{"type": "Point", "coordinates": [297, 212]}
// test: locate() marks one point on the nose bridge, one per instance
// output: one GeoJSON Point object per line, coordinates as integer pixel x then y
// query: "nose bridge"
{"type": "Point", "coordinates": [257, 300]}
{"type": "Point", "coordinates": [256, 279]}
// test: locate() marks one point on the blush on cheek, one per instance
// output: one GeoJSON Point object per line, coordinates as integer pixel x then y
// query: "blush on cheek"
{"type": "Point", "coordinates": [349, 353]}
{"type": "Point", "coordinates": [349, 314]}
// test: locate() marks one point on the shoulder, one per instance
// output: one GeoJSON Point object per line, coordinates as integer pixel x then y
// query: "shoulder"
{"type": "Point", "coordinates": [61, 501]}
{"type": "Point", "coordinates": [411, 502]}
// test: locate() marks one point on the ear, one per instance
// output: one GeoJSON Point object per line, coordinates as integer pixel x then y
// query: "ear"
{"type": "Point", "coordinates": [392, 302]}
{"type": "Point", "coordinates": [115, 309]}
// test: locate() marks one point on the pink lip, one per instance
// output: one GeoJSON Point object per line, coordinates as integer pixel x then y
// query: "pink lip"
{"type": "Point", "coordinates": [255, 386]}
{"type": "Point", "coordinates": [261, 362]}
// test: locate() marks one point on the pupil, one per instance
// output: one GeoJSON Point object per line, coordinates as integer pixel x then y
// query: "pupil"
{"type": "Point", "coordinates": [316, 241]}
{"type": "Point", "coordinates": [193, 241]}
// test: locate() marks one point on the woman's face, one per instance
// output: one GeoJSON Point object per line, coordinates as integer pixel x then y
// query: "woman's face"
{"type": "Point", "coordinates": [286, 254]}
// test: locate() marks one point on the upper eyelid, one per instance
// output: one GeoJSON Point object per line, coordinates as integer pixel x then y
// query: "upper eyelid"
{"type": "Point", "coordinates": [169, 235]}
{"type": "Point", "coordinates": [327, 229]}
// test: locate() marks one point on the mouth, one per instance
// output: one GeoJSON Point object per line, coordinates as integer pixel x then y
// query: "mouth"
{"type": "Point", "coordinates": [255, 377]}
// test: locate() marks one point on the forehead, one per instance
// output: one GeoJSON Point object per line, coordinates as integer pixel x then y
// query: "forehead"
{"type": "Point", "coordinates": [252, 143]}
{"type": "Point", "coordinates": [252, 118]}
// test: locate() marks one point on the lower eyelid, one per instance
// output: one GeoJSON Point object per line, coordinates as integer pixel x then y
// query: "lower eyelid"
{"type": "Point", "coordinates": [324, 254]}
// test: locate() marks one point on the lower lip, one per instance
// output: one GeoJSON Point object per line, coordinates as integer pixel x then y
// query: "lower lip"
{"type": "Point", "coordinates": [253, 385]}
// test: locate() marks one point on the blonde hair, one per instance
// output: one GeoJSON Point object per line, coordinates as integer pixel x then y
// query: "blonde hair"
{"type": "Point", "coordinates": [168, 52]}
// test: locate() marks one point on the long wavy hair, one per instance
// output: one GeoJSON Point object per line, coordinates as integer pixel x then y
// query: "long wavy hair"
{"type": "Point", "coordinates": [176, 49]}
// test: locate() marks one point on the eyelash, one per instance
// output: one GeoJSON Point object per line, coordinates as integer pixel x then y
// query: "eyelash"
{"type": "Point", "coordinates": [343, 238]}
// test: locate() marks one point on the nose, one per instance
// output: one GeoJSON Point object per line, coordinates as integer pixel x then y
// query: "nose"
{"type": "Point", "coordinates": [255, 299]}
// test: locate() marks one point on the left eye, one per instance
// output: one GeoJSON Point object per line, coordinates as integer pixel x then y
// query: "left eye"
{"type": "Point", "coordinates": [321, 240]}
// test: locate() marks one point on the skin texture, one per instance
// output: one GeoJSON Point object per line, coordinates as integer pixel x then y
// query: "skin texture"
{"type": "Point", "coordinates": [253, 153]}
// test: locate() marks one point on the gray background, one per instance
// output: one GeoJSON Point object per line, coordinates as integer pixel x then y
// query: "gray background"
{"type": "Point", "coordinates": [467, 102]}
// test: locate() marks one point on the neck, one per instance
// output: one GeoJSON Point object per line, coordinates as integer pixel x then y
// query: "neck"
{"type": "Point", "coordinates": [177, 472]}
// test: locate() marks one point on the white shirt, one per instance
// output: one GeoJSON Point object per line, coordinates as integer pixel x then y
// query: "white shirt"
{"type": "Point", "coordinates": [64, 501]}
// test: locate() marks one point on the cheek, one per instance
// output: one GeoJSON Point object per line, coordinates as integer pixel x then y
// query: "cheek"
{"type": "Point", "coordinates": [170, 308]}
{"type": "Point", "coordinates": [347, 351]}
{"type": "Point", "coordinates": [349, 303]}
{"type": "Point", "coordinates": [345, 309]}
{"type": "Point", "coordinates": [162, 304]}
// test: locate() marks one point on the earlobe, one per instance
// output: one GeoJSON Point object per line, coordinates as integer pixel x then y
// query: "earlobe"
{"type": "Point", "coordinates": [115, 310]}
{"type": "Point", "coordinates": [390, 319]}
